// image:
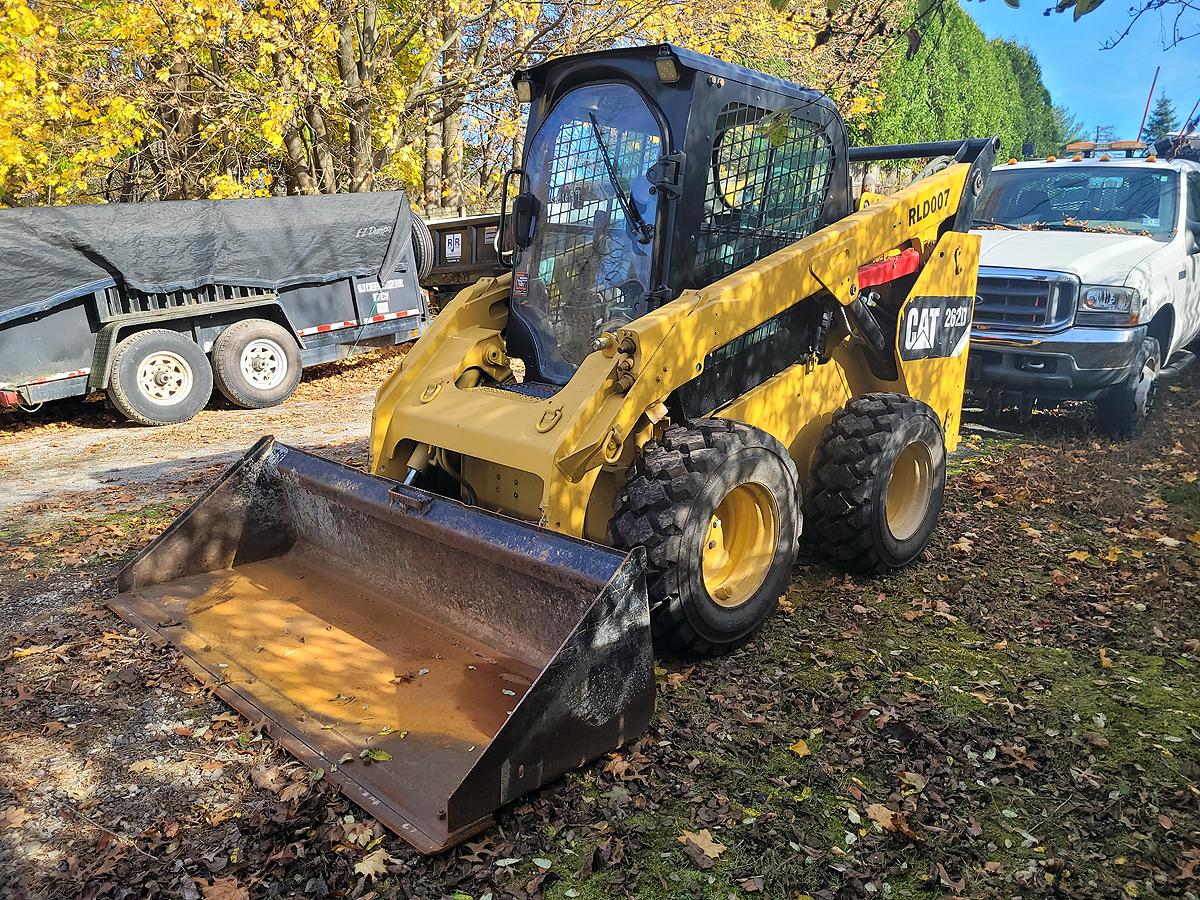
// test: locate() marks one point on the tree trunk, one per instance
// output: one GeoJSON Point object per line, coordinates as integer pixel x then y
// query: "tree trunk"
{"type": "Point", "coordinates": [358, 34]}
{"type": "Point", "coordinates": [433, 161]}
{"type": "Point", "coordinates": [452, 161]}
{"type": "Point", "coordinates": [326, 169]}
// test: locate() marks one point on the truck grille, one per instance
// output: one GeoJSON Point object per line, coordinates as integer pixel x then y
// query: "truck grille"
{"type": "Point", "coordinates": [1024, 299]}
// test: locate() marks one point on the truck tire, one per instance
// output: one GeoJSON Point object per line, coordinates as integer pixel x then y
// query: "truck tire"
{"type": "Point", "coordinates": [159, 377]}
{"type": "Point", "coordinates": [717, 506]}
{"type": "Point", "coordinates": [256, 364]}
{"type": "Point", "coordinates": [1124, 410]}
{"type": "Point", "coordinates": [423, 249]}
{"type": "Point", "coordinates": [878, 478]}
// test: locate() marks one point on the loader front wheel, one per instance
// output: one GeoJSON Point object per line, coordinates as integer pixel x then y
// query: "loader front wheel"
{"type": "Point", "coordinates": [878, 478]}
{"type": "Point", "coordinates": [717, 506]}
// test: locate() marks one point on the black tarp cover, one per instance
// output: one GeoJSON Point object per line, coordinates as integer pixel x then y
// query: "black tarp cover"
{"type": "Point", "coordinates": [49, 255]}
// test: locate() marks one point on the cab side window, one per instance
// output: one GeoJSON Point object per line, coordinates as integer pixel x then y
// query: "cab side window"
{"type": "Point", "coordinates": [1193, 197]}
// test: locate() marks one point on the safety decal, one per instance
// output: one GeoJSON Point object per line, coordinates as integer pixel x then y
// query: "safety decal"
{"type": "Point", "coordinates": [935, 327]}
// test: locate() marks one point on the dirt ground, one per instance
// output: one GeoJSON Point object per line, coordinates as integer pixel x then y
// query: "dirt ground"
{"type": "Point", "coordinates": [1017, 714]}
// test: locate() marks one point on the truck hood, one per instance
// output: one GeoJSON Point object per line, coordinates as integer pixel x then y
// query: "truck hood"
{"type": "Point", "coordinates": [1095, 258]}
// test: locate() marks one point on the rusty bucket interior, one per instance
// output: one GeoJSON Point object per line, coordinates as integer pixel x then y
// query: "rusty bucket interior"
{"type": "Point", "coordinates": [471, 656]}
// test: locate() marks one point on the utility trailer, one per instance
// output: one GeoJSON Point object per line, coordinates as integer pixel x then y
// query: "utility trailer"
{"type": "Point", "coordinates": [158, 303]}
{"type": "Point", "coordinates": [463, 251]}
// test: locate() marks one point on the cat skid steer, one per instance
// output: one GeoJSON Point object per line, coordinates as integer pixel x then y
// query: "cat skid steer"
{"type": "Point", "coordinates": [701, 353]}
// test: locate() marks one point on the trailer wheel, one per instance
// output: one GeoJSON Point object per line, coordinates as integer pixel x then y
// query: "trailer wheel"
{"type": "Point", "coordinates": [423, 249]}
{"type": "Point", "coordinates": [878, 478]}
{"type": "Point", "coordinates": [256, 364]}
{"type": "Point", "coordinates": [159, 377]}
{"type": "Point", "coordinates": [716, 504]}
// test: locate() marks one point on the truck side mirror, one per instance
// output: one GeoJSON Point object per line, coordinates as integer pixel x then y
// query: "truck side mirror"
{"type": "Point", "coordinates": [1193, 238]}
{"type": "Point", "coordinates": [525, 215]}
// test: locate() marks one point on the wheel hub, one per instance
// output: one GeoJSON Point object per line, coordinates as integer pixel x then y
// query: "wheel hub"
{"type": "Point", "coordinates": [909, 491]}
{"type": "Point", "coordinates": [740, 545]}
{"type": "Point", "coordinates": [164, 378]}
{"type": "Point", "coordinates": [263, 364]}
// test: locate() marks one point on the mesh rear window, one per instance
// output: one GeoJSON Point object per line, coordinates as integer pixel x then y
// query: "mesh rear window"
{"type": "Point", "coordinates": [767, 183]}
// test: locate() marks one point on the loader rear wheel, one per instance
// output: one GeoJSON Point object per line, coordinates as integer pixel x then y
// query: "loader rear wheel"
{"type": "Point", "coordinates": [878, 478]}
{"type": "Point", "coordinates": [159, 377]}
{"type": "Point", "coordinates": [256, 364]}
{"type": "Point", "coordinates": [717, 506]}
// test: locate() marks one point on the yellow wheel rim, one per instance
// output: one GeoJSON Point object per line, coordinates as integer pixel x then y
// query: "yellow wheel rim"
{"type": "Point", "coordinates": [909, 491]}
{"type": "Point", "coordinates": [740, 544]}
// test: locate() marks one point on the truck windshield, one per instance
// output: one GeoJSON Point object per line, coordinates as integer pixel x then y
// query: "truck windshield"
{"type": "Point", "coordinates": [1113, 199]}
{"type": "Point", "coordinates": [588, 268]}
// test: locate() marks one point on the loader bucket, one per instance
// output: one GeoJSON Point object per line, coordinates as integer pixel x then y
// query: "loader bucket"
{"type": "Point", "coordinates": [469, 656]}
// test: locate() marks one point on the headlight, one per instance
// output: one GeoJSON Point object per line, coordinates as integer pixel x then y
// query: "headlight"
{"type": "Point", "coordinates": [1102, 304]}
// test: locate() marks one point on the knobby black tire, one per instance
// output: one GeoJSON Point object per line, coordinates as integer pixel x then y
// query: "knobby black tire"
{"type": "Point", "coordinates": [671, 492]}
{"type": "Point", "coordinates": [852, 468]}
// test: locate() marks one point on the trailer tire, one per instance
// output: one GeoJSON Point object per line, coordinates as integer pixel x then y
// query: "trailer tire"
{"type": "Point", "coordinates": [159, 377]}
{"type": "Point", "coordinates": [879, 474]}
{"type": "Point", "coordinates": [256, 364]}
{"type": "Point", "coordinates": [423, 249]}
{"type": "Point", "coordinates": [716, 504]}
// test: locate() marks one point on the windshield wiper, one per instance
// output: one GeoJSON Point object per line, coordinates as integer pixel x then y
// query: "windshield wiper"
{"type": "Point", "coordinates": [1007, 225]}
{"type": "Point", "coordinates": [644, 232]}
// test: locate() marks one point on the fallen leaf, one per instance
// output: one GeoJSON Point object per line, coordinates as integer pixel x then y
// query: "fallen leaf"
{"type": "Point", "coordinates": [373, 864]}
{"type": "Point", "coordinates": [293, 791]}
{"type": "Point", "coordinates": [753, 885]}
{"type": "Point", "coordinates": [29, 651]}
{"type": "Point", "coordinates": [1194, 537]}
{"type": "Point", "coordinates": [14, 817]}
{"type": "Point", "coordinates": [1105, 662]}
{"type": "Point", "coordinates": [800, 748]}
{"type": "Point", "coordinates": [1169, 542]}
{"type": "Point", "coordinates": [225, 889]}
{"type": "Point", "coordinates": [882, 815]}
{"type": "Point", "coordinates": [142, 765]}
{"type": "Point", "coordinates": [703, 841]}
{"type": "Point", "coordinates": [378, 755]}
{"type": "Point", "coordinates": [914, 779]}
{"type": "Point", "coordinates": [1078, 555]}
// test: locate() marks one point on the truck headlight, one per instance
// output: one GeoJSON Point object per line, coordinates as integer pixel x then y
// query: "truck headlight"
{"type": "Point", "coordinates": [1104, 304]}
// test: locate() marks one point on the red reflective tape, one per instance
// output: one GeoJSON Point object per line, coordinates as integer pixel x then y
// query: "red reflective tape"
{"type": "Point", "coordinates": [889, 269]}
{"type": "Point", "coordinates": [59, 376]}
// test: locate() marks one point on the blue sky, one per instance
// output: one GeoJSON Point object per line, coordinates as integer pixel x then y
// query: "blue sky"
{"type": "Point", "coordinates": [1101, 87]}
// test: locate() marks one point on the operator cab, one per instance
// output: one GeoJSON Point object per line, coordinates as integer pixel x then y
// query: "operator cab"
{"type": "Point", "coordinates": [648, 171]}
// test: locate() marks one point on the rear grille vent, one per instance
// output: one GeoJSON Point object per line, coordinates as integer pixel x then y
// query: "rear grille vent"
{"type": "Point", "coordinates": [1025, 300]}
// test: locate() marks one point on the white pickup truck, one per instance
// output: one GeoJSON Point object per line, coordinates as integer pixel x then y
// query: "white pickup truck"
{"type": "Point", "coordinates": [1089, 284]}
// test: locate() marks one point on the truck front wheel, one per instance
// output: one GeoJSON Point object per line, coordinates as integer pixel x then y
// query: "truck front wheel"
{"type": "Point", "coordinates": [1122, 413]}
{"type": "Point", "coordinates": [256, 364]}
{"type": "Point", "coordinates": [159, 377]}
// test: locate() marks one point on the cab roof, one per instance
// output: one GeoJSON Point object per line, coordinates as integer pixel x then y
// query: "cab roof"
{"type": "Point", "coordinates": [688, 59]}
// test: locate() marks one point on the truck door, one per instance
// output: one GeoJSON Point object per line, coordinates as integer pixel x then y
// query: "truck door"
{"type": "Point", "coordinates": [1191, 263]}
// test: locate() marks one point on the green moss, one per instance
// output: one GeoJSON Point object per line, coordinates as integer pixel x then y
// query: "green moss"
{"type": "Point", "coordinates": [1184, 499]}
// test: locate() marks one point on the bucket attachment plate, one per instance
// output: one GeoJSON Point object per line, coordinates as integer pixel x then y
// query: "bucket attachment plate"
{"type": "Point", "coordinates": [478, 656]}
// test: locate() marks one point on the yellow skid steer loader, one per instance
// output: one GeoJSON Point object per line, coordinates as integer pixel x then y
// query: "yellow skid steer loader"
{"type": "Point", "coordinates": [701, 353]}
